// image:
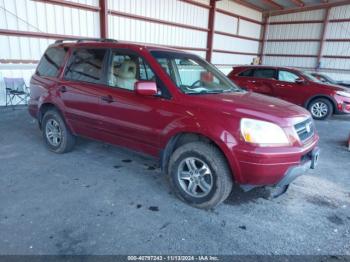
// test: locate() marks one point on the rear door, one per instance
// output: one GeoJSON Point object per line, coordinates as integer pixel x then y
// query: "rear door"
{"type": "Point", "coordinates": [79, 90]}
{"type": "Point", "coordinates": [288, 89]}
{"type": "Point", "coordinates": [263, 80]}
{"type": "Point", "coordinates": [242, 79]}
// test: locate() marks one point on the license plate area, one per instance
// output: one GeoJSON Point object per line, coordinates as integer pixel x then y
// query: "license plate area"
{"type": "Point", "coordinates": [314, 158]}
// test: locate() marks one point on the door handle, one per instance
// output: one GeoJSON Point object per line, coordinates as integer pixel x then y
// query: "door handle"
{"type": "Point", "coordinates": [108, 99]}
{"type": "Point", "coordinates": [63, 89]}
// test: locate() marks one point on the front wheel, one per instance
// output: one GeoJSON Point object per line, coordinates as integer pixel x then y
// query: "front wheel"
{"type": "Point", "coordinates": [320, 108]}
{"type": "Point", "coordinates": [199, 175]}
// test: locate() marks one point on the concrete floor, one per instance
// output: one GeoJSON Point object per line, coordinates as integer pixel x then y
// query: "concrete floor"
{"type": "Point", "coordinates": [101, 199]}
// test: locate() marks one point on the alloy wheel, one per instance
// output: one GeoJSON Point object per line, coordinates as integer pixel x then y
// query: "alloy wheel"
{"type": "Point", "coordinates": [53, 132]}
{"type": "Point", "coordinates": [319, 109]}
{"type": "Point", "coordinates": [195, 177]}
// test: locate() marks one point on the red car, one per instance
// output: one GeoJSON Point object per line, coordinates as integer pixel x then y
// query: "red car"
{"type": "Point", "coordinates": [295, 86]}
{"type": "Point", "coordinates": [173, 105]}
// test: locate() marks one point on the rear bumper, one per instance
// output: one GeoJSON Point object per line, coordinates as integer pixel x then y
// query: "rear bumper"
{"type": "Point", "coordinates": [33, 109]}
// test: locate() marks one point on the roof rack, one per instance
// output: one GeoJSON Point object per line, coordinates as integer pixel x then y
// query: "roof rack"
{"type": "Point", "coordinates": [79, 40]}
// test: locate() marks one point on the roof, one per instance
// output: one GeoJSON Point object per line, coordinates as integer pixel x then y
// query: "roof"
{"type": "Point", "coordinates": [266, 66]}
{"type": "Point", "coordinates": [108, 43]}
{"type": "Point", "coordinates": [276, 6]}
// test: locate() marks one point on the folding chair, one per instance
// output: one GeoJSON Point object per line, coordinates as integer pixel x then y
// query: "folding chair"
{"type": "Point", "coordinates": [16, 88]}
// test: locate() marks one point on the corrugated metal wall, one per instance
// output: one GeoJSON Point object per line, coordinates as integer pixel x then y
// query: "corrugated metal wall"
{"type": "Point", "coordinates": [47, 18]}
{"type": "Point", "coordinates": [293, 31]}
{"type": "Point", "coordinates": [304, 54]}
{"type": "Point", "coordinates": [234, 26]}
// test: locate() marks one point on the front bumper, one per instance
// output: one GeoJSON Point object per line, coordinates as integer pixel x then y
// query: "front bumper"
{"type": "Point", "coordinates": [295, 171]}
{"type": "Point", "coordinates": [343, 104]}
{"type": "Point", "coordinates": [309, 161]}
{"type": "Point", "coordinates": [267, 166]}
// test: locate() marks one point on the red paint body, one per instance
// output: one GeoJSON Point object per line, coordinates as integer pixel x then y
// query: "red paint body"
{"type": "Point", "coordinates": [147, 123]}
{"type": "Point", "coordinates": [296, 93]}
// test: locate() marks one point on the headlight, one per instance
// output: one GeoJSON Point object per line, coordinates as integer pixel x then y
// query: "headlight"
{"type": "Point", "coordinates": [263, 133]}
{"type": "Point", "coordinates": [343, 93]}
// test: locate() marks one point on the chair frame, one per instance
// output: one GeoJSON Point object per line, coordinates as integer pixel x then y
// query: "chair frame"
{"type": "Point", "coordinates": [12, 93]}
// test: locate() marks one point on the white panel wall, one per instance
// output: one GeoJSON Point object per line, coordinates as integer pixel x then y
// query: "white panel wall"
{"type": "Point", "coordinates": [233, 7]}
{"type": "Point", "coordinates": [31, 16]}
{"type": "Point", "coordinates": [25, 15]}
{"type": "Point", "coordinates": [235, 26]}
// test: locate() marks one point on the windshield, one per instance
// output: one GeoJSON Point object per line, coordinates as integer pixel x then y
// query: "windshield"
{"type": "Point", "coordinates": [310, 77]}
{"type": "Point", "coordinates": [193, 75]}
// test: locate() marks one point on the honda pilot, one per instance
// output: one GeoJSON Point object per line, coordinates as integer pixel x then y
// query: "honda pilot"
{"type": "Point", "coordinates": [206, 132]}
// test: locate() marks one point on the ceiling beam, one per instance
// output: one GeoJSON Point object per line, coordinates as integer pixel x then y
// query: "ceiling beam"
{"type": "Point", "coordinates": [249, 5]}
{"type": "Point", "coordinates": [309, 8]}
{"type": "Point", "coordinates": [299, 3]}
{"type": "Point", "coordinates": [273, 4]}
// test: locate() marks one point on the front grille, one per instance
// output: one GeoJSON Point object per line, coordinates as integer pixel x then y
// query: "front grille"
{"type": "Point", "coordinates": [305, 129]}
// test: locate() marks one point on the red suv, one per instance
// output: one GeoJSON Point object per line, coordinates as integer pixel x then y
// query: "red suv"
{"type": "Point", "coordinates": [173, 105]}
{"type": "Point", "coordinates": [295, 86]}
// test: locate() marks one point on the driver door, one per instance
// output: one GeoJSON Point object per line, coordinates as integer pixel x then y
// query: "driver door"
{"type": "Point", "coordinates": [130, 119]}
{"type": "Point", "coordinates": [288, 89]}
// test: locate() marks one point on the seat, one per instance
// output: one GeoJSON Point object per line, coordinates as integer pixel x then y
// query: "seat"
{"type": "Point", "coordinates": [127, 75]}
{"type": "Point", "coordinates": [16, 88]}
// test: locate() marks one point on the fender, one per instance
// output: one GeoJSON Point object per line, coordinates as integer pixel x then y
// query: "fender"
{"type": "Point", "coordinates": [321, 96]}
{"type": "Point", "coordinates": [217, 134]}
{"type": "Point", "coordinates": [50, 98]}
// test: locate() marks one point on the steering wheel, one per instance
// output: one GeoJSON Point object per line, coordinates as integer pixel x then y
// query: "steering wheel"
{"type": "Point", "coordinates": [195, 83]}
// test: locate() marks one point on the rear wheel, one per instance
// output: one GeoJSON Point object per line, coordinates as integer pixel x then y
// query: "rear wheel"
{"type": "Point", "coordinates": [57, 136]}
{"type": "Point", "coordinates": [200, 175]}
{"type": "Point", "coordinates": [320, 108]}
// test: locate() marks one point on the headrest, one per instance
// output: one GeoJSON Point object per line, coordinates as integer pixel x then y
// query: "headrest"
{"type": "Point", "coordinates": [128, 70]}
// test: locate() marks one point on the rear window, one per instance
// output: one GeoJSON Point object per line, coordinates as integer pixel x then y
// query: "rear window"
{"type": "Point", "coordinates": [86, 65]}
{"type": "Point", "coordinates": [51, 61]}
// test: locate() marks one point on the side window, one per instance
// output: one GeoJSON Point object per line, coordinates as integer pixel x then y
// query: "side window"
{"type": "Point", "coordinates": [86, 65]}
{"type": "Point", "coordinates": [127, 69]}
{"type": "Point", "coordinates": [287, 76]}
{"type": "Point", "coordinates": [51, 61]}
{"type": "Point", "coordinates": [265, 73]}
{"type": "Point", "coordinates": [247, 73]}
{"type": "Point", "coordinates": [146, 73]}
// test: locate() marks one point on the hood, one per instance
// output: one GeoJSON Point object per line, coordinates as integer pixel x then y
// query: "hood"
{"type": "Point", "coordinates": [253, 105]}
{"type": "Point", "coordinates": [330, 86]}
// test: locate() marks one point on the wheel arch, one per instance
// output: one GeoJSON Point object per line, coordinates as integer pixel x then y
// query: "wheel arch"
{"type": "Point", "coordinates": [329, 98]}
{"type": "Point", "coordinates": [44, 107]}
{"type": "Point", "coordinates": [182, 138]}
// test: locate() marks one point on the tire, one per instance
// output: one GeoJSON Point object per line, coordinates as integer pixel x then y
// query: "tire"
{"type": "Point", "coordinates": [218, 180]}
{"type": "Point", "coordinates": [53, 123]}
{"type": "Point", "coordinates": [320, 108]}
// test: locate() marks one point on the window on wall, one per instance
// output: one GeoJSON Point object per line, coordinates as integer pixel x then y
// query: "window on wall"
{"type": "Point", "coordinates": [265, 73]}
{"type": "Point", "coordinates": [127, 69]}
{"type": "Point", "coordinates": [86, 65]}
{"type": "Point", "coordinates": [287, 76]}
{"type": "Point", "coordinates": [51, 62]}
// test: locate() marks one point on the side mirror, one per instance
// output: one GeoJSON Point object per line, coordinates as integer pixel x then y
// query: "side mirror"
{"type": "Point", "coordinates": [146, 88]}
{"type": "Point", "coordinates": [299, 81]}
